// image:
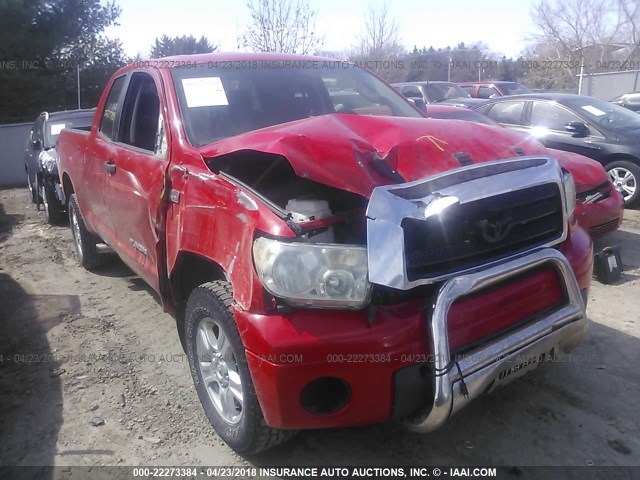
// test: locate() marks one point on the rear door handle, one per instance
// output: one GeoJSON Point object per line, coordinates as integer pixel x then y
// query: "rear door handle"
{"type": "Point", "coordinates": [110, 167]}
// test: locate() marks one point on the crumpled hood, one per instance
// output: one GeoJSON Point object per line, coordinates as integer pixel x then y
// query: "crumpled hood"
{"type": "Point", "coordinates": [587, 173]}
{"type": "Point", "coordinates": [340, 150]}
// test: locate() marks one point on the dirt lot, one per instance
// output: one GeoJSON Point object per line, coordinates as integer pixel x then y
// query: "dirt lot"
{"type": "Point", "coordinates": [78, 347]}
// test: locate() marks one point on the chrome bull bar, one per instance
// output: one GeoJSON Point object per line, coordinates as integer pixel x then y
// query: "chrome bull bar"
{"type": "Point", "coordinates": [479, 369]}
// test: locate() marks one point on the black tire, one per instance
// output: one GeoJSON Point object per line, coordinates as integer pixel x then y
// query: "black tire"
{"type": "Point", "coordinates": [84, 241]}
{"type": "Point", "coordinates": [634, 170]}
{"type": "Point", "coordinates": [33, 189]}
{"type": "Point", "coordinates": [52, 210]}
{"type": "Point", "coordinates": [251, 434]}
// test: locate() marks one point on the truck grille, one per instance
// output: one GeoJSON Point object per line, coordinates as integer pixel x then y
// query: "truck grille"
{"type": "Point", "coordinates": [470, 234]}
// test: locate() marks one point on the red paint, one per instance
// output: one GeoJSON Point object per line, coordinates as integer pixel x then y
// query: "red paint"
{"type": "Point", "coordinates": [216, 220]}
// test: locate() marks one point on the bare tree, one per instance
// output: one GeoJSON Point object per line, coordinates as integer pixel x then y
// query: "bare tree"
{"type": "Point", "coordinates": [577, 29]}
{"type": "Point", "coordinates": [285, 26]}
{"type": "Point", "coordinates": [630, 18]}
{"type": "Point", "coordinates": [380, 39]}
{"type": "Point", "coordinates": [379, 44]}
{"type": "Point", "coordinates": [572, 33]}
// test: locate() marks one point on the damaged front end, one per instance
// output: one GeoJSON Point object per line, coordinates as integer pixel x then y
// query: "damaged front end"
{"type": "Point", "coordinates": [473, 251]}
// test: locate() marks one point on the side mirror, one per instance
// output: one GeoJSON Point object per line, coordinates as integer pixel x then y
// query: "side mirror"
{"type": "Point", "coordinates": [577, 129]}
{"type": "Point", "coordinates": [36, 144]}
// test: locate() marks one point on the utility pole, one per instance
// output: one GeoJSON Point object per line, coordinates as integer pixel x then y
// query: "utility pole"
{"type": "Point", "coordinates": [78, 81]}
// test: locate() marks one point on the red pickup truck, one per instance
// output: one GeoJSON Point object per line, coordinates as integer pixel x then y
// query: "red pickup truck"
{"type": "Point", "coordinates": [332, 257]}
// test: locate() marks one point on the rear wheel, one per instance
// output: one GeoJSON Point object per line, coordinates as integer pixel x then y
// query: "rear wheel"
{"type": "Point", "coordinates": [85, 242]}
{"type": "Point", "coordinates": [625, 177]}
{"type": "Point", "coordinates": [220, 372]}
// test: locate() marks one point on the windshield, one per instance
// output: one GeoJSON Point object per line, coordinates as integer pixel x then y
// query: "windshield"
{"type": "Point", "coordinates": [464, 114]}
{"type": "Point", "coordinates": [604, 114]}
{"type": "Point", "coordinates": [437, 92]}
{"type": "Point", "coordinates": [513, 89]}
{"type": "Point", "coordinates": [220, 103]}
{"type": "Point", "coordinates": [55, 125]}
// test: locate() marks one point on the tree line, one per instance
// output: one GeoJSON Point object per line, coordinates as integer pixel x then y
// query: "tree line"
{"type": "Point", "coordinates": [45, 44]}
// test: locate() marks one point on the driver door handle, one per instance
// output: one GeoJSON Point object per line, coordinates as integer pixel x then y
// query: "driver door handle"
{"type": "Point", "coordinates": [110, 167]}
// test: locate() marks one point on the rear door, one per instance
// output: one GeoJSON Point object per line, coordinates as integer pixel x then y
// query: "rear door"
{"type": "Point", "coordinates": [510, 114]}
{"type": "Point", "coordinates": [135, 188]}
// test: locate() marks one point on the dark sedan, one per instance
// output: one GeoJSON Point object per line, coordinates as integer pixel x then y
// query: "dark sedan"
{"type": "Point", "coordinates": [594, 128]}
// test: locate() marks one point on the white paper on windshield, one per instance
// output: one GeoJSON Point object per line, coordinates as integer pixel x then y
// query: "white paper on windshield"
{"type": "Point", "coordinates": [204, 92]}
{"type": "Point", "coordinates": [56, 128]}
{"type": "Point", "coordinates": [593, 110]}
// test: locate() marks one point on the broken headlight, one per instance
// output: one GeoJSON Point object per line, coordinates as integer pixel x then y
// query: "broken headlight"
{"type": "Point", "coordinates": [569, 192]}
{"type": "Point", "coordinates": [313, 275]}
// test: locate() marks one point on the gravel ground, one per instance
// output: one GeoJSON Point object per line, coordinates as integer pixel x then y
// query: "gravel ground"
{"type": "Point", "coordinates": [92, 373]}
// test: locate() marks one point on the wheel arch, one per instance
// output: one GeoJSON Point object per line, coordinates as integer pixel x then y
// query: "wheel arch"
{"type": "Point", "coordinates": [191, 270]}
{"type": "Point", "coordinates": [67, 187]}
{"type": "Point", "coordinates": [616, 157]}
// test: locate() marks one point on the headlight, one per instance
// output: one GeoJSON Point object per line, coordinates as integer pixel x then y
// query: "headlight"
{"type": "Point", "coordinates": [48, 160]}
{"type": "Point", "coordinates": [569, 192]}
{"type": "Point", "coordinates": [313, 275]}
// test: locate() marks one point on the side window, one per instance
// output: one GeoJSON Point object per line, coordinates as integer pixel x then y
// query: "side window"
{"type": "Point", "coordinates": [140, 113]}
{"type": "Point", "coordinates": [111, 107]}
{"type": "Point", "coordinates": [467, 88]}
{"type": "Point", "coordinates": [486, 92]}
{"type": "Point", "coordinates": [411, 91]}
{"type": "Point", "coordinates": [507, 112]}
{"type": "Point", "coordinates": [551, 116]}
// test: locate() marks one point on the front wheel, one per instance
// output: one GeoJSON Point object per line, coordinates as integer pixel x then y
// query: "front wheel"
{"type": "Point", "coordinates": [220, 372]}
{"type": "Point", "coordinates": [625, 177]}
{"type": "Point", "coordinates": [52, 210]}
{"type": "Point", "coordinates": [33, 189]}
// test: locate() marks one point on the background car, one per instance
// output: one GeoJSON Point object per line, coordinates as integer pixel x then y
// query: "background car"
{"type": "Point", "coordinates": [599, 206]}
{"type": "Point", "coordinates": [437, 92]}
{"type": "Point", "coordinates": [628, 100]}
{"type": "Point", "coordinates": [591, 127]}
{"type": "Point", "coordinates": [41, 158]}
{"type": "Point", "coordinates": [487, 90]}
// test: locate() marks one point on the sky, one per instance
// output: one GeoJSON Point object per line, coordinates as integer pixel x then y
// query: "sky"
{"type": "Point", "coordinates": [503, 25]}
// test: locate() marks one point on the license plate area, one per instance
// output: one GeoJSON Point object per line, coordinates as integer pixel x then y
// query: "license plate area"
{"type": "Point", "coordinates": [518, 366]}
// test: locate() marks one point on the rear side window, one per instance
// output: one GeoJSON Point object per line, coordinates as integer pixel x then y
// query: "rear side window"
{"type": "Point", "coordinates": [507, 112]}
{"type": "Point", "coordinates": [140, 113]}
{"type": "Point", "coordinates": [111, 107]}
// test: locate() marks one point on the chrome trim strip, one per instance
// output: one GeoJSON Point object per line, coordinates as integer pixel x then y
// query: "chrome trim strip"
{"type": "Point", "coordinates": [563, 327]}
{"type": "Point", "coordinates": [390, 204]}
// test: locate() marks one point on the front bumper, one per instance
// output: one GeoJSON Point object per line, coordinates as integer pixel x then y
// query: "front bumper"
{"type": "Point", "coordinates": [458, 381]}
{"type": "Point", "coordinates": [601, 218]}
{"type": "Point", "coordinates": [384, 362]}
